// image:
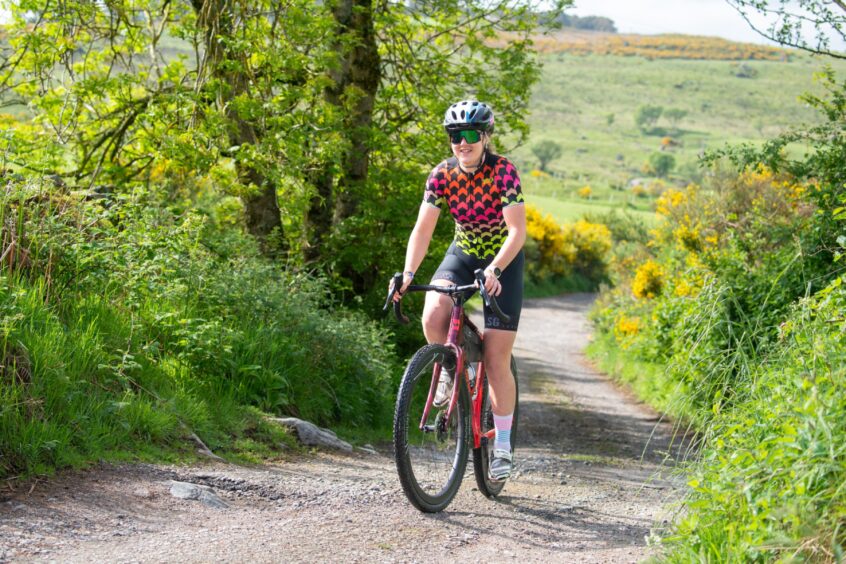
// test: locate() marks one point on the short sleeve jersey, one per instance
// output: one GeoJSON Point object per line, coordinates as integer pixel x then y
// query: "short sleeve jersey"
{"type": "Point", "coordinates": [476, 202]}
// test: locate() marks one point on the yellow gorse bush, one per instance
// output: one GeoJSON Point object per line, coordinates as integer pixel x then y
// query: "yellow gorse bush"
{"type": "Point", "coordinates": [585, 192]}
{"type": "Point", "coordinates": [626, 327]}
{"type": "Point", "coordinates": [554, 252]}
{"type": "Point", "coordinates": [648, 281]}
{"type": "Point", "coordinates": [562, 249]}
{"type": "Point", "coordinates": [592, 242]}
{"type": "Point", "coordinates": [673, 199]}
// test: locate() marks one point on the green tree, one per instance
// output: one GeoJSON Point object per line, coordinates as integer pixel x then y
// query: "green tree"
{"type": "Point", "coordinates": [810, 25]}
{"type": "Point", "coordinates": [319, 116]}
{"type": "Point", "coordinates": [675, 115]}
{"type": "Point", "coordinates": [647, 116]}
{"type": "Point", "coordinates": [661, 163]}
{"type": "Point", "coordinates": [546, 152]}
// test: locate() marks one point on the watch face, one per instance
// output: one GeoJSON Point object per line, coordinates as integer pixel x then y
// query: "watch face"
{"type": "Point", "coordinates": [497, 271]}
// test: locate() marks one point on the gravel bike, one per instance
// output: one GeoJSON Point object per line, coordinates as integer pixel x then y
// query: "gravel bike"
{"type": "Point", "coordinates": [430, 443]}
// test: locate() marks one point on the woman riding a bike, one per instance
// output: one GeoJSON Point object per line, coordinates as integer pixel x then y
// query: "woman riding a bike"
{"type": "Point", "coordinates": [481, 190]}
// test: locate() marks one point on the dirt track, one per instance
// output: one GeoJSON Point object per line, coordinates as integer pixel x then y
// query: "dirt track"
{"type": "Point", "coordinates": [588, 488]}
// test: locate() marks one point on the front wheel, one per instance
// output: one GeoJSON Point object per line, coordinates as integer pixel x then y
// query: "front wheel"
{"type": "Point", "coordinates": [482, 455]}
{"type": "Point", "coordinates": [430, 462]}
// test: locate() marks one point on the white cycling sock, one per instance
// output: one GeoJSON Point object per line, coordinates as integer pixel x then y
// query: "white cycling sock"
{"type": "Point", "coordinates": [502, 423]}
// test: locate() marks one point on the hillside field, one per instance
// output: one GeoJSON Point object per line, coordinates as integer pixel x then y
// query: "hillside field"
{"type": "Point", "coordinates": [588, 103]}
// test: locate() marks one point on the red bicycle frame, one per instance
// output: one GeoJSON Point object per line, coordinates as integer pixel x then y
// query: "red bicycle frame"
{"type": "Point", "coordinates": [456, 324]}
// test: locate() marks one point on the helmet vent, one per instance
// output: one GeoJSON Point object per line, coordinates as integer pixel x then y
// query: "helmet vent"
{"type": "Point", "coordinates": [469, 114]}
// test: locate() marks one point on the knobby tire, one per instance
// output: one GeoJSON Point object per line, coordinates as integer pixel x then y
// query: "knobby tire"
{"type": "Point", "coordinates": [430, 465]}
{"type": "Point", "coordinates": [482, 455]}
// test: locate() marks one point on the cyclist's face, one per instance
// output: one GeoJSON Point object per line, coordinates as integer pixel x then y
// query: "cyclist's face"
{"type": "Point", "coordinates": [468, 154]}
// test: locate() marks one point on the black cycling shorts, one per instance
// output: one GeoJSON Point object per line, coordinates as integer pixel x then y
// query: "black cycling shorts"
{"type": "Point", "coordinates": [458, 267]}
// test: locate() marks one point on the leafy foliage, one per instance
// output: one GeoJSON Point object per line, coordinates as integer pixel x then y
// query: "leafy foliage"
{"type": "Point", "coordinates": [806, 24]}
{"type": "Point", "coordinates": [126, 324]}
{"type": "Point", "coordinates": [661, 163]}
{"type": "Point", "coordinates": [746, 330]}
{"type": "Point", "coordinates": [546, 152]}
{"type": "Point", "coordinates": [311, 119]}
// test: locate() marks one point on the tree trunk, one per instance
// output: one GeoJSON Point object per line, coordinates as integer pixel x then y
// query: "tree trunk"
{"type": "Point", "coordinates": [263, 217]}
{"type": "Point", "coordinates": [357, 76]}
{"type": "Point", "coordinates": [318, 221]}
{"type": "Point", "coordinates": [361, 73]}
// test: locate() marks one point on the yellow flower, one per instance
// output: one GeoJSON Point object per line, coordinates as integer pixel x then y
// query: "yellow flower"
{"type": "Point", "coordinates": [684, 289]}
{"type": "Point", "coordinates": [585, 192]}
{"type": "Point", "coordinates": [648, 281]}
{"type": "Point", "coordinates": [626, 327]}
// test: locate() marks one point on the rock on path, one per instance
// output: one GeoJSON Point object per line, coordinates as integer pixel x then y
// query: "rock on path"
{"type": "Point", "coordinates": [588, 487]}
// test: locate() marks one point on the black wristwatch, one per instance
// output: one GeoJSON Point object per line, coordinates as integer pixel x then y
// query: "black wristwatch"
{"type": "Point", "coordinates": [497, 272]}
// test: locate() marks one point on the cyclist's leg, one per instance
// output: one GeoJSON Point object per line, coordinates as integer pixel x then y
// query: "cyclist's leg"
{"type": "Point", "coordinates": [436, 313]}
{"type": "Point", "coordinates": [499, 341]}
{"type": "Point", "coordinates": [498, 345]}
{"type": "Point", "coordinates": [499, 338]}
{"type": "Point", "coordinates": [437, 309]}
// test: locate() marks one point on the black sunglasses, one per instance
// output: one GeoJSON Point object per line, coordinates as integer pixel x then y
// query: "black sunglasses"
{"type": "Point", "coordinates": [469, 135]}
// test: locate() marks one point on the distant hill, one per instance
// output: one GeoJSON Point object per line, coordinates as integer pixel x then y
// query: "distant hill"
{"type": "Point", "coordinates": [587, 103]}
{"type": "Point", "coordinates": [582, 42]}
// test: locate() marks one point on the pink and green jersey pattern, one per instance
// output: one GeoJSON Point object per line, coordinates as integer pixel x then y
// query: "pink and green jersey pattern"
{"type": "Point", "coordinates": [476, 202]}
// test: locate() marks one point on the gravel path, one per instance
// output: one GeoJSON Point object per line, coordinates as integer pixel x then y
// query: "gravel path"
{"type": "Point", "coordinates": [589, 487]}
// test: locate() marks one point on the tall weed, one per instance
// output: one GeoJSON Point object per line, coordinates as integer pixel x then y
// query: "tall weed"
{"type": "Point", "coordinates": [125, 327]}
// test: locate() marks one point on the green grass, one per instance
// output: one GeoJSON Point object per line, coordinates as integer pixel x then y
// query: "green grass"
{"type": "Point", "coordinates": [568, 211]}
{"type": "Point", "coordinates": [650, 381]}
{"type": "Point", "coordinates": [571, 104]}
{"type": "Point", "coordinates": [141, 336]}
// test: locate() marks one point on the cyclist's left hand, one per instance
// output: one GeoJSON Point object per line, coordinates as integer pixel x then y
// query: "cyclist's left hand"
{"type": "Point", "coordinates": [492, 283]}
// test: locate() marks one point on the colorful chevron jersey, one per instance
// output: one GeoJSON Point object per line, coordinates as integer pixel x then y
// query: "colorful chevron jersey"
{"type": "Point", "coordinates": [476, 202]}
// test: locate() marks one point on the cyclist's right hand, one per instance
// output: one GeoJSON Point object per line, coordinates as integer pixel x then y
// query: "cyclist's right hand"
{"type": "Point", "coordinates": [406, 281]}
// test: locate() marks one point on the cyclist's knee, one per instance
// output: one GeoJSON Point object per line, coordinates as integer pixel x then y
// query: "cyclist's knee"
{"type": "Point", "coordinates": [436, 313]}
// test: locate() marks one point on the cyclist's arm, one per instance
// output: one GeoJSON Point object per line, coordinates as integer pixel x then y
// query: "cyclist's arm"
{"type": "Point", "coordinates": [515, 220]}
{"type": "Point", "coordinates": [418, 242]}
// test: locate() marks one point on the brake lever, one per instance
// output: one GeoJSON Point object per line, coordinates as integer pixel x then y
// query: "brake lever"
{"type": "Point", "coordinates": [393, 288]}
{"type": "Point", "coordinates": [480, 280]}
{"type": "Point", "coordinates": [396, 282]}
{"type": "Point", "coordinates": [490, 301]}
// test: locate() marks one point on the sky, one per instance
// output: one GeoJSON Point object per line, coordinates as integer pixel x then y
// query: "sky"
{"type": "Point", "coordinates": [690, 17]}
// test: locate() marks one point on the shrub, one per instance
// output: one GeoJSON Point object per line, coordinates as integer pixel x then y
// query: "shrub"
{"type": "Point", "coordinates": [647, 116]}
{"type": "Point", "coordinates": [648, 280]}
{"type": "Point", "coordinates": [592, 243]}
{"type": "Point", "coordinates": [585, 192]}
{"type": "Point", "coordinates": [125, 328]}
{"type": "Point", "coordinates": [555, 252]}
{"type": "Point", "coordinates": [546, 152]}
{"type": "Point", "coordinates": [661, 163]}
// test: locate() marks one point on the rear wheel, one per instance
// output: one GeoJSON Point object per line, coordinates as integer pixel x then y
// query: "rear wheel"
{"type": "Point", "coordinates": [430, 462]}
{"type": "Point", "coordinates": [482, 455]}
